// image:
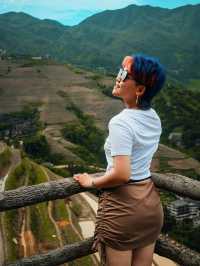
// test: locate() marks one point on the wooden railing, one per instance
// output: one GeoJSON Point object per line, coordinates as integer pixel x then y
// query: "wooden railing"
{"type": "Point", "coordinates": [26, 196]}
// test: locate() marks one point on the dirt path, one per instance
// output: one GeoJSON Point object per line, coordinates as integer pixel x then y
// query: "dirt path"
{"type": "Point", "coordinates": [50, 207]}
{"type": "Point", "coordinates": [94, 257]}
{"type": "Point", "coordinates": [71, 222]}
{"type": "Point", "coordinates": [27, 239]}
{"type": "Point", "coordinates": [58, 232]}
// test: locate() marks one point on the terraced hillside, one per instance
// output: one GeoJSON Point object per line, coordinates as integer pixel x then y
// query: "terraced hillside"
{"type": "Point", "coordinates": [39, 228]}
{"type": "Point", "coordinates": [51, 87]}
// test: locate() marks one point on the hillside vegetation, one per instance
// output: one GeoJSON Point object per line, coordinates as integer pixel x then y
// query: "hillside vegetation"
{"type": "Point", "coordinates": [179, 112]}
{"type": "Point", "coordinates": [75, 106]}
{"type": "Point", "coordinates": [38, 228]}
{"type": "Point", "coordinates": [103, 39]}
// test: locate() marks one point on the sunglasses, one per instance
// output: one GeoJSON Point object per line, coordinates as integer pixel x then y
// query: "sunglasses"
{"type": "Point", "coordinates": [123, 74]}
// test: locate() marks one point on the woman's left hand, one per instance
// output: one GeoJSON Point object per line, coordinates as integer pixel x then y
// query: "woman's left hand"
{"type": "Point", "coordinates": [84, 179]}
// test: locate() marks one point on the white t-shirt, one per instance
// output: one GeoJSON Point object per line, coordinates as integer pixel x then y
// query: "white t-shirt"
{"type": "Point", "coordinates": [134, 132]}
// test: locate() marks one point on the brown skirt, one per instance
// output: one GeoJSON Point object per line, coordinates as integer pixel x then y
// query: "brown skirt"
{"type": "Point", "coordinates": [128, 217]}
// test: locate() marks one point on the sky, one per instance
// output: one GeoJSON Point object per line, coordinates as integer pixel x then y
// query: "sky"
{"type": "Point", "coordinates": [73, 12]}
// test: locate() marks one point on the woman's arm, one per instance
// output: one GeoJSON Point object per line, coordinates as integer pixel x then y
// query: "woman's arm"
{"type": "Point", "coordinates": [118, 175]}
{"type": "Point", "coordinates": [121, 140]}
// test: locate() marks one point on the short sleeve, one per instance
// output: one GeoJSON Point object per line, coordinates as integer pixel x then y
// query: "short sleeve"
{"type": "Point", "coordinates": [121, 138]}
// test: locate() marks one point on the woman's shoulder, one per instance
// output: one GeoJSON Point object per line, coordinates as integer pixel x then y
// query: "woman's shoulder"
{"type": "Point", "coordinates": [118, 118]}
{"type": "Point", "coordinates": [115, 118]}
{"type": "Point", "coordinates": [120, 121]}
{"type": "Point", "coordinates": [138, 114]}
{"type": "Point", "coordinates": [132, 118]}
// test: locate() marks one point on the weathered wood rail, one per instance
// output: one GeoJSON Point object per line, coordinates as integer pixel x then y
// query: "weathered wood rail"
{"type": "Point", "coordinates": [26, 196]}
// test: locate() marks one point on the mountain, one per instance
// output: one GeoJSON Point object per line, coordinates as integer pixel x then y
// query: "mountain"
{"type": "Point", "coordinates": [104, 38]}
{"type": "Point", "coordinates": [21, 33]}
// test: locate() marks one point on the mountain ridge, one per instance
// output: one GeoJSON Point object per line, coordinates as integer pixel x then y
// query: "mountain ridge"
{"type": "Point", "coordinates": [101, 41]}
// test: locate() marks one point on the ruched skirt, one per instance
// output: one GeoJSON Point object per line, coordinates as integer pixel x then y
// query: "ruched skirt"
{"type": "Point", "coordinates": [129, 216]}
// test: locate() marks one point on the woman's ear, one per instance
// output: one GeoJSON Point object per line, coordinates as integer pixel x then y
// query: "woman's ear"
{"type": "Point", "coordinates": [140, 90]}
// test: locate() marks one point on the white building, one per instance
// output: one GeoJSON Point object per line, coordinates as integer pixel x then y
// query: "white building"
{"type": "Point", "coordinates": [185, 209]}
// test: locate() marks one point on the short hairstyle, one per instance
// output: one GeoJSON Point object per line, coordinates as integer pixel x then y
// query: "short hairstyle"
{"type": "Point", "coordinates": [149, 72]}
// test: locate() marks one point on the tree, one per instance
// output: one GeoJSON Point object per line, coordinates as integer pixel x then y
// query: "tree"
{"type": "Point", "coordinates": [37, 146]}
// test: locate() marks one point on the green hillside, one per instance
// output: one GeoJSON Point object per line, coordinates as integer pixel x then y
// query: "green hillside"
{"type": "Point", "coordinates": [103, 39]}
{"type": "Point", "coordinates": [41, 227]}
{"type": "Point", "coordinates": [74, 107]}
{"type": "Point", "coordinates": [179, 112]}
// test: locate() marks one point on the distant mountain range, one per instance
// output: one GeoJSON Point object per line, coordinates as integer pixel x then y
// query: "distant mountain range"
{"type": "Point", "coordinates": [103, 39]}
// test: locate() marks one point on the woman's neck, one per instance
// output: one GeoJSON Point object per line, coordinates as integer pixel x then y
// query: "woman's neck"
{"type": "Point", "coordinates": [131, 106]}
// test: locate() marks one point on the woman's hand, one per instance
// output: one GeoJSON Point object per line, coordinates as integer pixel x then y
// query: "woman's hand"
{"type": "Point", "coordinates": [84, 179]}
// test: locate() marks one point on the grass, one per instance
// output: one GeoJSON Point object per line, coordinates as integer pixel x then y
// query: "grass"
{"type": "Point", "coordinates": [61, 172]}
{"type": "Point", "coordinates": [78, 71]}
{"type": "Point", "coordinates": [69, 236]}
{"type": "Point", "coordinates": [17, 176]}
{"type": "Point", "coordinates": [32, 62]}
{"type": "Point", "coordinates": [10, 231]}
{"type": "Point", "coordinates": [59, 210]}
{"type": "Point", "coordinates": [76, 208]}
{"type": "Point", "coordinates": [163, 164]}
{"type": "Point", "coordinates": [194, 84]}
{"type": "Point", "coordinates": [75, 69]}
{"type": "Point", "coordinates": [5, 158]}
{"type": "Point", "coordinates": [10, 219]}
{"type": "Point", "coordinates": [41, 225]}
{"type": "Point", "coordinates": [167, 197]}
{"type": "Point", "coordinates": [95, 77]}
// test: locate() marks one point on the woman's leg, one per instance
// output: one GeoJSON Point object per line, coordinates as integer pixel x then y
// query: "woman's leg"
{"type": "Point", "coordinates": [143, 256]}
{"type": "Point", "coordinates": [117, 257]}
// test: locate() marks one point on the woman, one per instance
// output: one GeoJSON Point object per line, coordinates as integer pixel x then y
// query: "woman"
{"type": "Point", "coordinates": [130, 214]}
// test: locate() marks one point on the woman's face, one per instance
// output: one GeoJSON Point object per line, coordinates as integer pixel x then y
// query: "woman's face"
{"type": "Point", "coordinates": [126, 89]}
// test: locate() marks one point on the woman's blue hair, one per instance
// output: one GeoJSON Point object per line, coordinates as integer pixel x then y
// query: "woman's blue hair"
{"type": "Point", "coordinates": [149, 72]}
